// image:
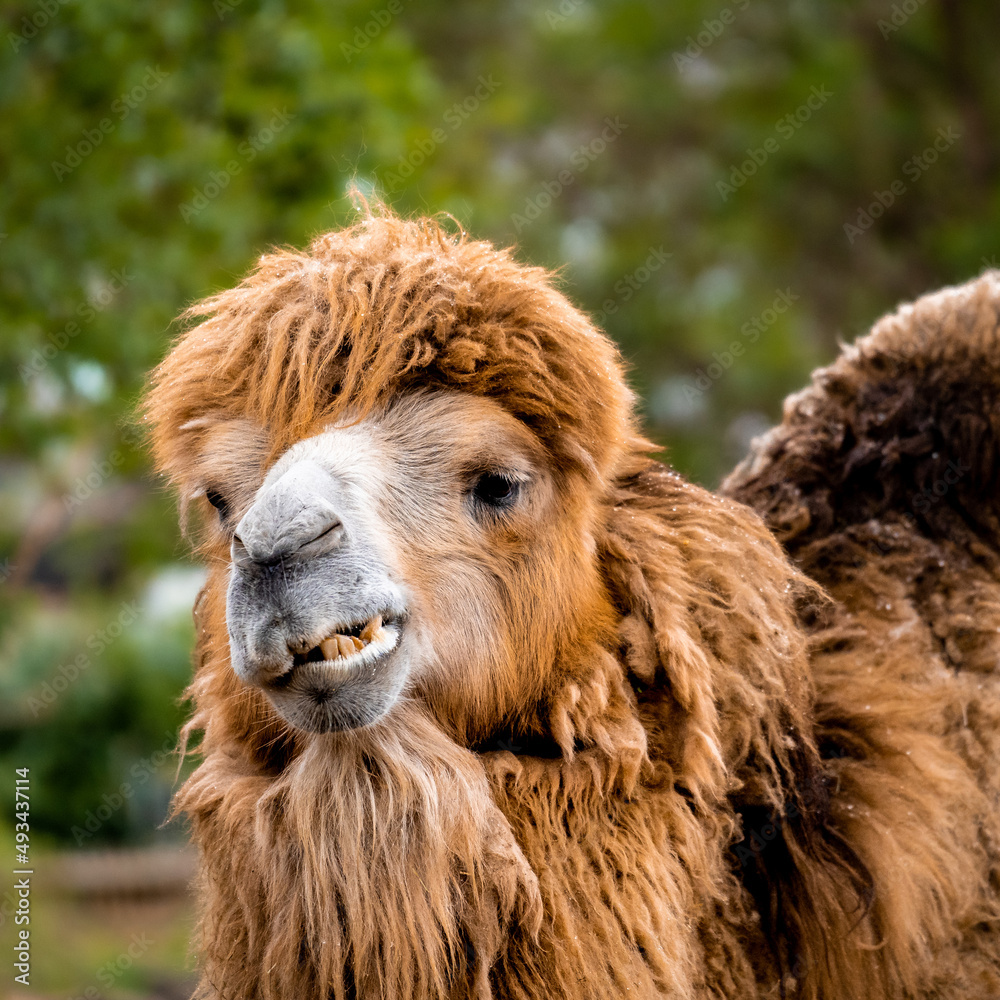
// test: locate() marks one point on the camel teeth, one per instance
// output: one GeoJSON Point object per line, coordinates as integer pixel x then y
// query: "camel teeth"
{"type": "Point", "coordinates": [371, 628]}
{"type": "Point", "coordinates": [340, 645]}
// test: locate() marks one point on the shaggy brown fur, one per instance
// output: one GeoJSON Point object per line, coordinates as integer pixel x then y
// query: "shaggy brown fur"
{"type": "Point", "coordinates": [882, 483]}
{"type": "Point", "coordinates": [717, 781]}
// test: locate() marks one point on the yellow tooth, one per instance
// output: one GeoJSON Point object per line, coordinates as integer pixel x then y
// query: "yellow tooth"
{"type": "Point", "coordinates": [329, 648]}
{"type": "Point", "coordinates": [346, 646]}
{"type": "Point", "coordinates": [368, 633]}
{"type": "Point", "coordinates": [358, 644]}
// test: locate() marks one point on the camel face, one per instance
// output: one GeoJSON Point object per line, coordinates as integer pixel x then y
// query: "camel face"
{"type": "Point", "coordinates": [376, 558]}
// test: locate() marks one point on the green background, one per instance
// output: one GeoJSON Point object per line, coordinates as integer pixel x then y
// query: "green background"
{"type": "Point", "coordinates": [150, 151]}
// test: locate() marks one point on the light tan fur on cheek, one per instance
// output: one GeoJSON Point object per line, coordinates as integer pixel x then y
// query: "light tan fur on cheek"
{"type": "Point", "coordinates": [497, 595]}
{"type": "Point", "coordinates": [513, 613]}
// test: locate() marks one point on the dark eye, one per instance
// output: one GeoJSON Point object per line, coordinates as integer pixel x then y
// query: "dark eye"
{"type": "Point", "coordinates": [496, 491]}
{"type": "Point", "coordinates": [218, 501]}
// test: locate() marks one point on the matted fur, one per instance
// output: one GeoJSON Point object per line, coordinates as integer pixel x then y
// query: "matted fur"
{"type": "Point", "coordinates": [883, 484]}
{"type": "Point", "coordinates": [753, 786]}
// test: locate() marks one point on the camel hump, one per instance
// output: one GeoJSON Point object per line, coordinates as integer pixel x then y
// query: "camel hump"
{"type": "Point", "coordinates": [905, 424]}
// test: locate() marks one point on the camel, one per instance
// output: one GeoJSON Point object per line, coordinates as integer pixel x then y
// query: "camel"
{"type": "Point", "coordinates": [494, 704]}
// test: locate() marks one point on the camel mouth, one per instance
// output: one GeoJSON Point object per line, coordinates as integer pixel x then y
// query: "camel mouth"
{"type": "Point", "coordinates": [345, 681]}
{"type": "Point", "coordinates": [352, 644]}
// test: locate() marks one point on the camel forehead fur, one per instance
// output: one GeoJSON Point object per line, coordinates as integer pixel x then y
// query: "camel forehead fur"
{"type": "Point", "coordinates": [368, 314]}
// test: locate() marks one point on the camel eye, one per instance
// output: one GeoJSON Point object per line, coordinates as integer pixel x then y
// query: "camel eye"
{"type": "Point", "coordinates": [218, 501]}
{"type": "Point", "coordinates": [495, 490]}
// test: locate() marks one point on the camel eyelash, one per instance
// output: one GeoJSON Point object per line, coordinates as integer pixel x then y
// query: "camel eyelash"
{"type": "Point", "coordinates": [219, 502]}
{"type": "Point", "coordinates": [496, 491]}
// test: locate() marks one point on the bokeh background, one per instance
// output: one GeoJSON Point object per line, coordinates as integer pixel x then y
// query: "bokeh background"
{"type": "Point", "coordinates": [710, 173]}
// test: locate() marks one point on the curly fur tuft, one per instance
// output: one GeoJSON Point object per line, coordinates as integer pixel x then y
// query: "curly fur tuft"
{"type": "Point", "coordinates": [382, 308]}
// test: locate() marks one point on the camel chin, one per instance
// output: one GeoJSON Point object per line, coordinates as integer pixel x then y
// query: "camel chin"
{"type": "Point", "coordinates": [338, 693]}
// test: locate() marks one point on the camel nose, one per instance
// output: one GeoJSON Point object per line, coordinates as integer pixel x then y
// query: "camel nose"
{"type": "Point", "coordinates": [293, 517]}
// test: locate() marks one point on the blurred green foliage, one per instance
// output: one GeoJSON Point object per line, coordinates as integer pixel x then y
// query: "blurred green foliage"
{"type": "Point", "coordinates": [693, 165]}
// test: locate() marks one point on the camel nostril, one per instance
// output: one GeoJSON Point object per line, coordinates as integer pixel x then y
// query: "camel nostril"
{"type": "Point", "coordinates": [238, 551]}
{"type": "Point", "coordinates": [291, 518]}
{"type": "Point", "coordinates": [333, 527]}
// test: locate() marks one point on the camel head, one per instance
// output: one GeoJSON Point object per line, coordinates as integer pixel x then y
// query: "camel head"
{"type": "Point", "coordinates": [409, 441]}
